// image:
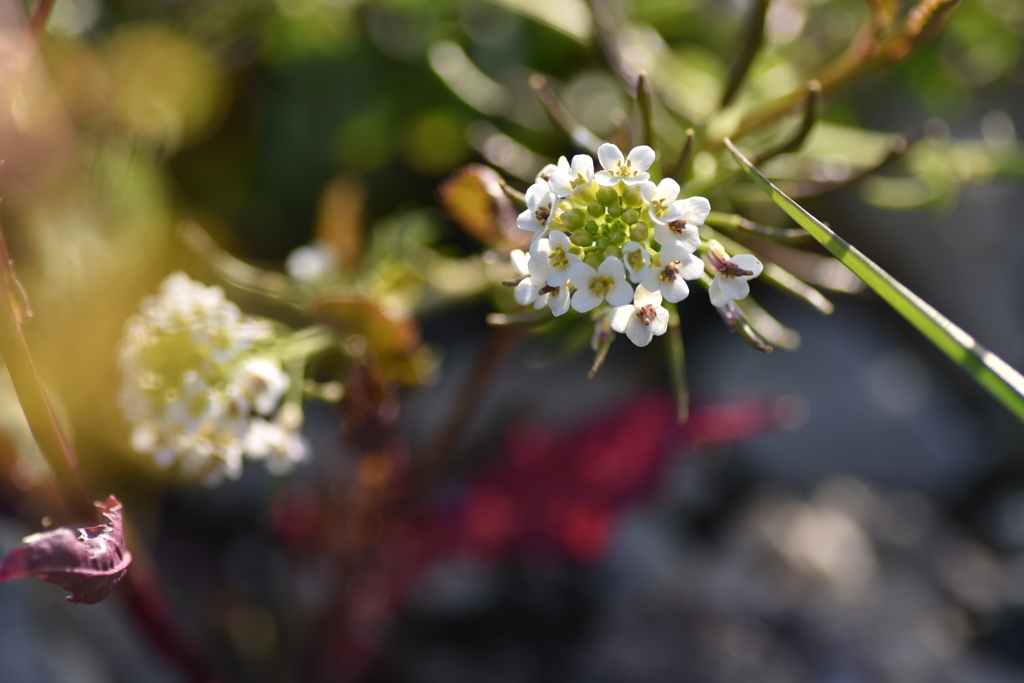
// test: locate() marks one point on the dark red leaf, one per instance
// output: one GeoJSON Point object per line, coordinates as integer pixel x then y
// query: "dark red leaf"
{"type": "Point", "coordinates": [88, 562]}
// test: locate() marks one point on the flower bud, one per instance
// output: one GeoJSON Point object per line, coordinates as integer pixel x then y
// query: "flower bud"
{"type": "Point", "coordinates": [618, 238]}
{"type": "Point", "coordinates": [581, 238]}
{"type": "Point", "coordinates": [596, 209]}
{"type": "Point", "coordinates": [593, 228]}
{"type": "Point", "coordinates": [633, 198]}
{"type": "Point", "coordinates": [608, 196]}
{"type": "Point", "coordinates": [630, 216]}
{"type": "Point", "coordinates": [574, 219]}
{"type": "Point", "coordinates": [615, 211]}
{"type": "Point", "coordinates": [639, 232]}
{"type": "Point", "coordinates": [593, 259]}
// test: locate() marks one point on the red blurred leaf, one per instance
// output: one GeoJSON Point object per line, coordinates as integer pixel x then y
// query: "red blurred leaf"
{"type": "Point", "coordinates": [89, 562]}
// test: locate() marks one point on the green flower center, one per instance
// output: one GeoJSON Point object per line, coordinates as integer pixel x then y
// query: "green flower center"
{"type": "Point", "coordinates": [635, 260]}
{"type": "Point", "coordinates": [601, 285]}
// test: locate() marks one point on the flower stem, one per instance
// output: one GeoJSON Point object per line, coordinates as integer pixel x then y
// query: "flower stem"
{"type": "Point", "coordinates": [47, 432]}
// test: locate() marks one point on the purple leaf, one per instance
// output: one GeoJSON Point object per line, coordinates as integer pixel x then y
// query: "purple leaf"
{"type": "Point", "coordinates": [88, 562]}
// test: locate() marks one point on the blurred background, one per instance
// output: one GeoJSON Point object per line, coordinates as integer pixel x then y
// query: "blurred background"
{"type": "Point", "coordinates": [476, 508]}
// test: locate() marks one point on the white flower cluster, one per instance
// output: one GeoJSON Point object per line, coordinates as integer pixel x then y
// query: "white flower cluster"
{"type": "Point", "coordinates": [201, 385]}
{"type": "Point", "coordinates": [600, 233]}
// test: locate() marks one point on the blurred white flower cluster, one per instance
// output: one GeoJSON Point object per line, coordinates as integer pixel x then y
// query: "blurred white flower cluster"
{"type": "Point", "coordinates": [615, 237]}
{"type": "Point", "coordinates": [203, 387]}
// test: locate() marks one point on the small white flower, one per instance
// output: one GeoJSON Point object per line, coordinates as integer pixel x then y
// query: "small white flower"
{"type": "Point", "coordinates": [279, 442]}
{"type": "Point", "coordinates": [644, 319]}
{"type": "Point", "coordinates": [607, 283]}
{"type": "Point", "coordinates": [636, 260]}
{"type": "Point", "coordinates": [554, 252]}
{"type": "Point", "coordinates": [732, 274]}
{"type": "Point", "coordinates": [662, 200]}
{"type": "Point", "coordinates": [544, 174]}
{"type": "Point", "coordinates": [558, 299]}
{"type": "Point", "coordinates": [262, 381]}
{"type": "Point", "coordinates": [631, 170]}
{"type": "Point", "coordinates": [528, 289]}
{"type": "Point", "coordinates": [676, 266]}
{"type": "Point", "coordinates": [540, 203]}
{"type": "Point", "coordinates": [310, 263]}
{"type": "Point", "coordinates": [520, 261]}
{"type": "Point", "coordinates": [566, 182]}
{"type": "Point", "coordinates": [684, 228]}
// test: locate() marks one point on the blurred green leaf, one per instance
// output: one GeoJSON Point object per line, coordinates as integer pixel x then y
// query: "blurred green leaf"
{"type": "Point", "coordinates": [993, 373]}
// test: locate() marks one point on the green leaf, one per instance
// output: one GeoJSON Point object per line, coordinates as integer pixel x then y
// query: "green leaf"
{"type": "Point", "coordinates": [992, 372]}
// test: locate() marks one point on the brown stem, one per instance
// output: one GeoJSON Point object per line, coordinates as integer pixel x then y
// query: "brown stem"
{"type": "Point", "coordinates": [40, 15]}
{"type": "Point", "coordinates": [865, 55]}
{"type": "Point", "coordinates": [499, 343]}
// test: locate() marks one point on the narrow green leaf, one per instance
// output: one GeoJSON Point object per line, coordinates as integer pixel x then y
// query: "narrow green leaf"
{"type": "Point", "coordinates": [992, 372]}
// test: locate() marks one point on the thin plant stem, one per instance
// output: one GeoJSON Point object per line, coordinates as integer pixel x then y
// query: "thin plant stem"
{"type": "Point", "coordinates": [753, 37]}
{"type": "Point", "coordinates": [812, 111]}
{"type": "Point", "coordinates": [681, 168]}
{"type": "Point", "coordinates": [499, 343]}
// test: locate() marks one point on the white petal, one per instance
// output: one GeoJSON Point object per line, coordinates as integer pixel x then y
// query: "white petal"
{"type": "Point", "coordinates": [648, 191]}
{"type": "Point", "coordinates": [519, 261]}
{"type": "Point", "coordinates": [668, 189]}
{"type": "Point", "coordinates": [638, 333]}
{"type": "Point", "coordinates": [690, 238]}
{"type": "Point", "coordinates": [557, 277]}
{"type": "Point", "coordinates": [664, 235]}
{"type": "Point", "coordinates": [621, 316]}
{"type": "Point", "coordinates": [613, 268]}
{"type": "Point", "coordinates": [584, 300]}
{"type": "Point", "coordinates": [528, 221]}
{"type": "Point", "coordinates": [652, 279]}
{"type": "Point", "coordinates": [538, 270]}
{"type": "Point", "coordinates": [641, 157]}
{"type": "Point", "coordinates": [541, 301]}
{"type": "Point", "coordinates": [643, 296]}
{"type": "Point", "coordinates": [718, 297]}
{"type": "Point", "coordinates": [526, 292]}
{"type": "Point", "coordinates": [691, 268]}
{"type": "Point", "coordinates": [621, 294]}
{"type": "Point", "coordinates": [609, 155]}
{"type": "Point", "coordinates": [734, 287]}
{"type": "Point", "coordinates": [583, 164]}
{"type": "Point", "coordinates": [559, 239]}
{"type": "Point", "coordinates": [659, 325]}
{"type": "Point", "coordinates": [748, 262]}
{"type": "Point", "coordinates": [606, 179]}
{"type": "Point", "coordinates": [697, 210]}
{"type": "Point", "coordinates": [559, 301]}
{"type": "Point", "coordinates": [537, 195]}
{"type": "Point", "coordinates": [541, 249]}
{"type": "Point", "coordinates": [581, 274]}
{"type": "Point", "coordinates": [640, 179]}
{"type": "Point", "coordinates": [561, 184]}
{"type": "Point", "coordinates": [672, 251]}
{"type": "Point", "coordinates": [675, 291]}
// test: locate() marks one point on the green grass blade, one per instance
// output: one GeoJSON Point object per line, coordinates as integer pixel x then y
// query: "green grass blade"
{"type": "Point", "coordinates": [992, 372]}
